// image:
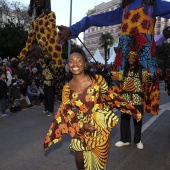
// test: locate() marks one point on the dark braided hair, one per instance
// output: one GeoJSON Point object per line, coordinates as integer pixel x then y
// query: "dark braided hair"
{"type": "Point", "coordinates": [136, 68]}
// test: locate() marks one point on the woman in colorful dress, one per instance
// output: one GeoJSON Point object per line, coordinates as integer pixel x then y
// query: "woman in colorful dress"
{"type": "Point", "coordinates": [42, 45]}
{"type": "Point", "coordinates": [91, 125]}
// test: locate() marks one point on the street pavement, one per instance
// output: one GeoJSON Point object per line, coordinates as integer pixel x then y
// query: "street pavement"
{"type": "Point", "coordinates": [22, 136]}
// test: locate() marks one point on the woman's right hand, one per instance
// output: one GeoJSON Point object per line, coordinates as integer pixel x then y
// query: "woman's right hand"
{"type": "Point", "coordinates": [89, 127]}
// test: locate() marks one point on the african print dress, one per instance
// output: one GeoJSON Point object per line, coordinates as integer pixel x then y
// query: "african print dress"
{"type": "Point", "coordinates": [94, 106]}
{"type": "Point", "coordinates": [43, 32]}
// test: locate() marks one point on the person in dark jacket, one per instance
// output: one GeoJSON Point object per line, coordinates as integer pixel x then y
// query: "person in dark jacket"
{"type": "Point", "coordinates": [3, 94]}
{"type": "Point", "coordinates": [16, 87]}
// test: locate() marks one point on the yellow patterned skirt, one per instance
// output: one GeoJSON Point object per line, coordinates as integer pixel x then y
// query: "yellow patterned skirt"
{"type": "Point", "coordinates": [96, 152]}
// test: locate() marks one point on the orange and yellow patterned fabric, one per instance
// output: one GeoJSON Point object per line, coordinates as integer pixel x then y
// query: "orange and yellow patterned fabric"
{"type": "Point", "coordinates": [94, 105]}
{"type": "Point", "coordinates": [43, 31]}
{"type": "Point", "coordinates": [136, 91]}
{"type": "Point", "coordinates": [151, 100]}
{"type": "Point", "coordinates": [132, 88]}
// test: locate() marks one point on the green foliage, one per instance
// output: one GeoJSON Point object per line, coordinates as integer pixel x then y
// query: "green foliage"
{"type": "Point", "coordinates": [106, 41]}
{"type": "Point", "coordinates": [163, 55]}
{"type": "Point", "coordinates": [12, 39]}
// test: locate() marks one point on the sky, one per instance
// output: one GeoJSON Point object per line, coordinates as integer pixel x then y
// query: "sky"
{"type": "Point", "coordinates": [62, 10]}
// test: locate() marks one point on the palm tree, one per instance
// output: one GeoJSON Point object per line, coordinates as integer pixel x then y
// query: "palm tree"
{"type": "Point", "coordinates": [106, 41]}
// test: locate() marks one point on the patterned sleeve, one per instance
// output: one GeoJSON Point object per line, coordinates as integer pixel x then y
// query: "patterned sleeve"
{"type": "Point", "coordinates": [48, 41]}
{"type": "Point", "coordinates": [65, 121]}
{"type": "Point", "coordinates": [30, 39]}
{"type": "Point", "coordinates": [112, 100]}
{"type": "Point", "coordinates": [144, 76]}
{"type": "Point", "coordinates": [117, 75]}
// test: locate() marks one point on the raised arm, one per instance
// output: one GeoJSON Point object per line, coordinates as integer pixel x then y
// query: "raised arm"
{"type": "Point", "coordinates": [105, 19]}
{"type": "Point", "coordinates": [65, 121]}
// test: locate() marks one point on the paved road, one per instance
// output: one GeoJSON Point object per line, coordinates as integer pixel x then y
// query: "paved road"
{"type": "Point", "coordinates": [22, 136]}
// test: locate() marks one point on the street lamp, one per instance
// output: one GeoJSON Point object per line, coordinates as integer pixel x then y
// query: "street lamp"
{"type": "Point", "coordinates": [69, 41]}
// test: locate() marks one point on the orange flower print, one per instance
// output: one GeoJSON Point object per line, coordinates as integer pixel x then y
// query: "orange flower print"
{"type": "Point", "coordinates": [64, 128]}
{"type": "Point", "coordinates": [72, 114]}
{"type": "Point", "coordinates": [47, 139]}
{"type": "Point", "coordinates": [57, 115]}
{"type": "Point", "coordinates": [100, 106]}
{"type": "Point", "coordinates": [83, 108]}
{"type": "Point", "coordinates": [57, 133]}
{"type": "Point", "coordinates": [71, 131]}
{"type": "Point", "coordinates": [66, 119]}
{"type": "Point", "coordinates": [76, 127]}
{"type": "Point", "coordinates": [73, 101]}
{"type": "Point", "coordinates": [88, 98]}
{"type": "Point", "coordinates": [90, 90]}
{"type": "Point", "coordinates": [108, 97]}
{"type": "Point", "coordinates": [117, 103]}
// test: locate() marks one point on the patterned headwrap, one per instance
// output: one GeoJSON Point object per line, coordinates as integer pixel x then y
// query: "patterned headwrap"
{"type": "Point", "coordinates": [133, 52]}
{"type": "Point", "coordinates": [32, 7]}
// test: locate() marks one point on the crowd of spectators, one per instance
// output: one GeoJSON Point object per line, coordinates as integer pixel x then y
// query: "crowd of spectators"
{"type": "Point", "coordinates": [25, 84]}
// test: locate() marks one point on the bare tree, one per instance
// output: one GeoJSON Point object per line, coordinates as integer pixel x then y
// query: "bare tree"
{"type": "Point", "coordinates": [15, 12]}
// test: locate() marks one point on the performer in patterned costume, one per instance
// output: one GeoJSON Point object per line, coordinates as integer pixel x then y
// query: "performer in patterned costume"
{"type": "Point", "coordinates": [93, 121]}
{"type": "Point", "coordinates": [132, 79]}
{"type": "Point", "coordinates": [42, 45]}
{"type": "Point", "coordinates": [137, 18]}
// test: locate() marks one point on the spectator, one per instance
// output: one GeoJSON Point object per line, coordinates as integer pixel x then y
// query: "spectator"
{"type": "Point", "coordinates": [36, 76]}
{"type": "Point", "coordinates": [41, 89]}
{"type": "Point", "coordinates": [3, 94]}
{"type": "Point", "coordinates": [132, 77]}
{"type": "Point", "coordinates": [33, 93]}
{"type": "Point", "coordinates": [16, 87]}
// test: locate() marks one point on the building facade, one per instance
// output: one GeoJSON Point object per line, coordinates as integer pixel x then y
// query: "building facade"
{"type": "Point", "coordinates": [92, 35]}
